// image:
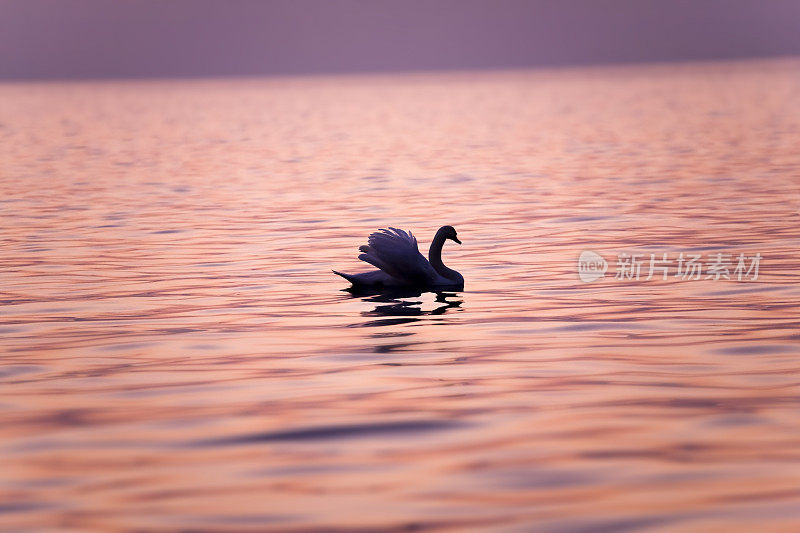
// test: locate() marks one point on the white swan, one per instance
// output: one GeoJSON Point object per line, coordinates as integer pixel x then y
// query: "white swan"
{"type": "Point", "coordinates": [396, 254]}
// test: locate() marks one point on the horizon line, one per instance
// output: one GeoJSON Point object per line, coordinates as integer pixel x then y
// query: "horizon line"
{"type": "Point", "coordinates": [400, 71]}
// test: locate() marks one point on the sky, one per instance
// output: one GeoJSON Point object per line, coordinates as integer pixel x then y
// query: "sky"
{"type": "Point", "coordinates": [68, 39]}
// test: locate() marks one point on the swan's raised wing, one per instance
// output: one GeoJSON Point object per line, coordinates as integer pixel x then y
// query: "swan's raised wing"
{"type": "Point", "coordinates": [395, 252]}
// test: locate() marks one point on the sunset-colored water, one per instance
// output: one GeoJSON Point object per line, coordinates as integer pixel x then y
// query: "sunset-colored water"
{"type": "Point", "coordinates": [178, 355]}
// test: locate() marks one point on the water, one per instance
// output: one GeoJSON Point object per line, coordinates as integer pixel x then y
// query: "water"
{"type": "Point", "coordinates": [177, 354]}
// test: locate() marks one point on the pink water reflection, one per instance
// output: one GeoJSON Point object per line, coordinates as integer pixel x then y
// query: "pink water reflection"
{"type": "Point", "coordinates": [177, 354]}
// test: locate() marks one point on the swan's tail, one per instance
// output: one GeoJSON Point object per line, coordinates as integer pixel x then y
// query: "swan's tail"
{"type": "Point", "coordinates": [348, 277]}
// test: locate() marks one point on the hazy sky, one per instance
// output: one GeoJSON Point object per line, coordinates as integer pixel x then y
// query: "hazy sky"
{"type": "Point", "coordinates": [134, 38]}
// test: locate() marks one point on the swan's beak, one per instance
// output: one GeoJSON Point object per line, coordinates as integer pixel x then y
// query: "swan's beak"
{"type": "Point", "coordinates": [456, 239]}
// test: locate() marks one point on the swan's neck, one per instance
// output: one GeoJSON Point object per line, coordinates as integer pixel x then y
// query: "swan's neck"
{"type": "Point", "coordinates": [435, 257]}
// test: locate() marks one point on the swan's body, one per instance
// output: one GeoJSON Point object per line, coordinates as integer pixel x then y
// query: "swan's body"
{"type": "Point", "coordinates": [396, 254]}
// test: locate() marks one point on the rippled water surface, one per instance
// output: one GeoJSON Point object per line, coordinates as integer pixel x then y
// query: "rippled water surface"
{"type": "Point", "coordinates": [178, 355]}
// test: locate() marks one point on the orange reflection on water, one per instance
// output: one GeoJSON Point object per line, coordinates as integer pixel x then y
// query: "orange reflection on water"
{"type": "Point", "coordinates": [177, 354]}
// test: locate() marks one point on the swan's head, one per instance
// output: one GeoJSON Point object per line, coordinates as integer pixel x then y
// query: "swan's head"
{"type": "Point", "coordinates": [449, 232]}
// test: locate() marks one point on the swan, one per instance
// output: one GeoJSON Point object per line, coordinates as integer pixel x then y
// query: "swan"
{"type": "Point", "coordinates": [396, 254]}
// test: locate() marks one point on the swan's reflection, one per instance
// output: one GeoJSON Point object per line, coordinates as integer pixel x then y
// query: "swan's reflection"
{"type": "Point", "coordinates": [404, 306]}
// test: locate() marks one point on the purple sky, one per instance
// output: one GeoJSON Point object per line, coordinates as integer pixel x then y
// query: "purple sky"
{"type": "Point", "coordinates": [142, 38]}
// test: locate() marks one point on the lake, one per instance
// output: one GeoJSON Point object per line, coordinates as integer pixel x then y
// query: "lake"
{"type": "Point", "coordinates": [177, 354]}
